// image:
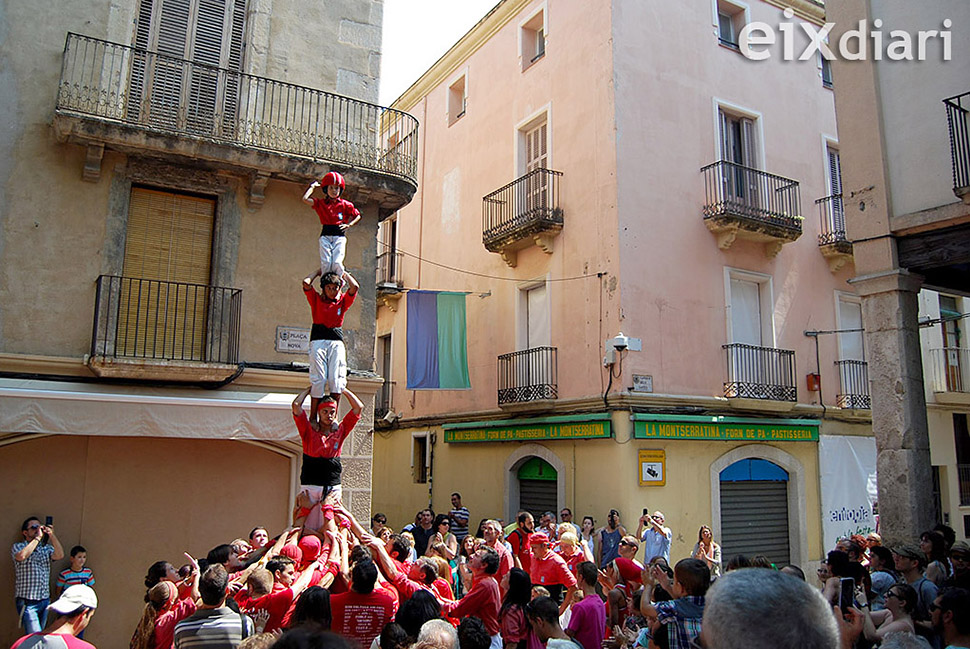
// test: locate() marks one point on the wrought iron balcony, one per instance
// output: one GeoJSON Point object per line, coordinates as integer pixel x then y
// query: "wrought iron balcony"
{"type": "Point", "coordinates": [958, 120]}
{"type": "Point", "coordinates": [145, 328]}
{"type": "Point", "coordinates": [853, 385]}
{"type": "Point", "coordinates": [751, 204]}
{"type": "Point", "coordinates": [524, 212]}
{"type": "Point", "coordinates": [527, 376]}
{"type": "Point", "coordinates": [760, 373]}
{"type": "Point", "coordinates": [383, 404]}
{"type": "Point", "coordinates": [132, 99]}
{"type": "Point", "coordinates": [389, 271]}
{"type": "Point", "coordinates": [950, 369]}
{"type": "Point", "coordinates": [832, 241]}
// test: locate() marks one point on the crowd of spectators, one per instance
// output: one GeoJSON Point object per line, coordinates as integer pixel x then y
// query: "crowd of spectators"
{"type": "Point", "coordinates": [436, 585]}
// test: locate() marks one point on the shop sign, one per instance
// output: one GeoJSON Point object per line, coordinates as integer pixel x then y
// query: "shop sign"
{"type": "Point", "coordinates": [529, 433]}
{"type": "Point", "coordinates": [723, 428]}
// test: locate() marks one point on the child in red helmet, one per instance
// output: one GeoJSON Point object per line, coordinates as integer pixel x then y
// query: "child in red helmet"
{"type": "Point", "coordinates": [336, 215]}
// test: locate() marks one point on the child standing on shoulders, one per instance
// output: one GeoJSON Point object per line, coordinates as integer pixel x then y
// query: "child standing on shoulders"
{"type": "Point", "coordinates": [336, 215]}
{"type": "Point", "coordinates": [77, 573]}
{"type": "Point", "coordinates": [328, 356]}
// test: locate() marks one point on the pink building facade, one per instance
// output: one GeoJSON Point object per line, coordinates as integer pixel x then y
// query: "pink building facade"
{"type": "Point", "coordinates": [586, 174]}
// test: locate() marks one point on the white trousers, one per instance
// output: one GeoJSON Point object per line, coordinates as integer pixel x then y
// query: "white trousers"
{"type": "Point", "coordinates": [332, 251]}
{"type": "Point", "coordinates": [328, 367]}
{"type": "Point", "coordinates": [317, 494]}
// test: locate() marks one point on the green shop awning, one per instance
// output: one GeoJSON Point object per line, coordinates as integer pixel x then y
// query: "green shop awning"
{"type": "Point", "coordinates": [593, 426]}
{"type": "Point", "coordinates": [648, 426]}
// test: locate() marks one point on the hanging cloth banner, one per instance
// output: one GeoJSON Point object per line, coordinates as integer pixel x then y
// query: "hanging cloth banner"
{"type": "Point", "coordinates": [437, 341]}
{"type": "Point", "coordinates": [848, 478]}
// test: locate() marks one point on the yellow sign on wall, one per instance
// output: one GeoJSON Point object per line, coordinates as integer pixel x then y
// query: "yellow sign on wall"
{"type": "Point", "coordinates": [653, 468]}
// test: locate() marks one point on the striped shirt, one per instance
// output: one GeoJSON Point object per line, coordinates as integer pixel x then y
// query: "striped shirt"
{"type": "Point", "coordinates": [459, 529]}
{"type": "Point", "coordinates": [213, 628]}
{"type": "Point", "coordinates": [68, 577]}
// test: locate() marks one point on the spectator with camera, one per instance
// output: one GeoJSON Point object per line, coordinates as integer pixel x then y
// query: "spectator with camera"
{"type": "Point", "coordinates": [32, 560]}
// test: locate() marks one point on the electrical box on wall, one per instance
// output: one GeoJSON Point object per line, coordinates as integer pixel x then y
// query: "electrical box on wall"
{"type": "Point", "coordinates": [609, 357]}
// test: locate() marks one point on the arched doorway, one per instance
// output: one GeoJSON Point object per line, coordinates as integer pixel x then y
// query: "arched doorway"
{"type": "Point", "coordinates": [754, 510]}
{"type": "Point", "coordinates": [538, 482]}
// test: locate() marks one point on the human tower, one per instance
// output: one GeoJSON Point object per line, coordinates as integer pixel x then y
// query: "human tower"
{"type": "Point", "coordinates": [322, 436]}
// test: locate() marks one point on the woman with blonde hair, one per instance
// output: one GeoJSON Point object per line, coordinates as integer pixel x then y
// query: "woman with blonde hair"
{"type": "Point", "coordinates": [707, 550]}
{"type": "Point", "coordinates": [156, 629]}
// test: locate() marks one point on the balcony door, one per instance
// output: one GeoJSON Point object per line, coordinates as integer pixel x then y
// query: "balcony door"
{"type": "Point", "coordinates": [950, 315]}
{"type": "Point", "coordinates": [383, 405]}
{"type": "Point", "coordinates": [749, 370]}
{"type": "Point", "coordinates": [164, 298]}
{"type": "Point", "coordinates": [536, 187]}
{"type": "Point", "coordinates": [834, 173]}
{"type": "Point", "coordinates": [746, 320]}
{"type": "Point", "coordinates": [739, 146]}
{"type": "Point", "coordinates": [537, 320]}
{"type": "Point", "coordinates": [851, 343]}
{"type": "Point", "coordinates": [387, 271]}
{"type": "Point", "coordinates": [184, 49]}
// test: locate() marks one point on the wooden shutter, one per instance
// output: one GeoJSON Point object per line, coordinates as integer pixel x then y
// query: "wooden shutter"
{"type": "Point", "coordinates": [835, 171]}
{"type": "Point", "coordinates": [174, 95]}
{"type": "Point", "coordinates": [754, 520]}
{"type": "Point", "coordinates": [536, 154]}
{"type": "Point", "coordinates": [536, 148]}
{"type": "Point", "coordinates": [169, 239]}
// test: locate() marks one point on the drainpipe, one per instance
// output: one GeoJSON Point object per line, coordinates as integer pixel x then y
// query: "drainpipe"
{"type": "Point", "coordinates": [432, 438]}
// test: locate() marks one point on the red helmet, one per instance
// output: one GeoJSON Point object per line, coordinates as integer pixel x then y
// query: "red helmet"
{"type": "Point", "coordinates": [332, 178]}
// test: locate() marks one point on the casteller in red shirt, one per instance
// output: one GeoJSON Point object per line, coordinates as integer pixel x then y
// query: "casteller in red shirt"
{"type": "Point", "coordinates": [360, 616]}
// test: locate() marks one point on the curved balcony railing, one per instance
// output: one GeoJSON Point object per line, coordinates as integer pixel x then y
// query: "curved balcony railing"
{"type": "Point", "coordinates": [831, 220]}
{"type": "Point", "coordinates": [528, 375]}
{"type": "Point", "coordinates": [383, 403]}
{"type": "Point", "coordinates": [389, 270]}
{"type": "Point", "coordinates": [166, 321]}
{"type": "Point", "coordinates": [760, 373]}
{"type": "Point", "coordinates": [736, 190]}
{"type": "Point", "coordinates": [958, 121]}
{"type": "Point", "coordinates": [525, 206]}
{"type": "Point", "coordinates": [853, 385]}
{"type": "Point", "coordinates": [159, 93]}
{"type": "Point", "coordinates": [950, 367]}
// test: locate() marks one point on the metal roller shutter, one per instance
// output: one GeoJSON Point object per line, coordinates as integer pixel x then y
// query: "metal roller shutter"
{"type": "Point", "coordinates": [754, 520]}
{"type": "Point", "coordinates": [537, 497]}
{"type": "Point", "coordinates": [538, 482]}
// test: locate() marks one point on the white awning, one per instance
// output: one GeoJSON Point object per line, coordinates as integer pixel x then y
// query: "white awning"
{"type": "Point", "coordinates": [51, 407]}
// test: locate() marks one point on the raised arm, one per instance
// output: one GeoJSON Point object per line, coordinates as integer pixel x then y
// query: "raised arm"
{"type": "Point", "coordinates": [194, 577]}
{"type": "Point", "coordinates": [309, 191]}
{"type": "Point", "coordinates": [383, 559]}
{"type": "Point", "coordinates": [355, 527]}
{"type": "Point", "coordinates": [298, 402]}
{"type": "Point", "coordinates": [651, 577]}
{"type": "Point", "coordinates": [308, 280]}
{"type": "Point", "coordinates": [355, 404]}
{"type": "Point", "coordinates": [352, 282]}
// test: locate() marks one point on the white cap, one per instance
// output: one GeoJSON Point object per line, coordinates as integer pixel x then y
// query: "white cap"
{"type": "Point", "coordinates": [73, 598]}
